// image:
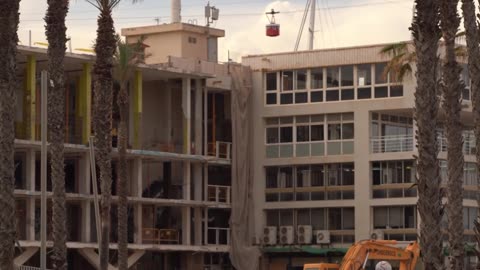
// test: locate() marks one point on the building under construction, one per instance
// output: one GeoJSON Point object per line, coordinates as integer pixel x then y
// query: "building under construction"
{"type": "Point", "coordinates": [179, 157]}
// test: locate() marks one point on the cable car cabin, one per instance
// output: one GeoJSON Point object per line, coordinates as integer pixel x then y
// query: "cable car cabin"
{"type": "Point", "coordinates": [273, 30]}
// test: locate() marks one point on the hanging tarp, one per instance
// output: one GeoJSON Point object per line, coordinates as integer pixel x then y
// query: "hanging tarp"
{"type": "Point", "coordinates": [243, 255]}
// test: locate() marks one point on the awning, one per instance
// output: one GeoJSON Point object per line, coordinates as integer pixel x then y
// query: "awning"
{"type": "Point", "coordinates": [306, 249]}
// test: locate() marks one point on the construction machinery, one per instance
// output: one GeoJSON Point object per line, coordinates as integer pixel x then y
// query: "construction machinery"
{"type": "Point", "coordinates": [364, 255]}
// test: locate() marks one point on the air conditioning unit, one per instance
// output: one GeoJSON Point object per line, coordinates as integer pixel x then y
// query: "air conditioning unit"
{"type": "Point", "coordinates": [322, 237]}
{"type": "Point", "coordinates": [377, 235]}
{"type": "Point", "coordinates": [269, 236]}
{"type": "Point", "coordinates": [304, 234]}
{"type": "Point", "coordinates": [286, 235]}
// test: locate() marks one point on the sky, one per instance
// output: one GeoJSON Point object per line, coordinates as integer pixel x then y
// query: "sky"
{"type": "Point", "coordinates": [338, 23]}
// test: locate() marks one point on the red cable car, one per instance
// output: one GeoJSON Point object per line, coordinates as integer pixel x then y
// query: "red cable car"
{"type": "Point", "coordinates": [273, 29]}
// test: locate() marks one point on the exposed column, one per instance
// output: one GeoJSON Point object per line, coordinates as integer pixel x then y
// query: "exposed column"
{"type": "Point", "coordinates": [30, 98]}
{"type": "Point", "coordinates": [186, 107]}
{"type": "Point", "coordinates": [362, 172]}
{"type": "Point", "coordinates": [84, 107]}
{"type": "Point", "coordinates": [30, 171]}
{"type": "Point", "coordinates": [85, 188]}
{"type": "Point", "coordinates": [137, 109]}
{"type": "Point", "coordinates": [198, 184]}
{"type": "Point", "coordinates": [137, 191]}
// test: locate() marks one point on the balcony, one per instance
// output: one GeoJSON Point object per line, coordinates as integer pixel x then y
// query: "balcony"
{"type": "Point", "coordinates": [220, 194]}
{"type": "Point", "coordinates": [391, 144]}
{"type": "Point", "coordinates": [218, 236]}
{"type": "Point", "coordinates": [220, 149]}
{"type": "Point", "coordinates": [468, 142]}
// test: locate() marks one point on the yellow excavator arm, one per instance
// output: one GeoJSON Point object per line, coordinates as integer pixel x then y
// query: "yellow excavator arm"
{"type": "Point", "coordinates": [359, 254]}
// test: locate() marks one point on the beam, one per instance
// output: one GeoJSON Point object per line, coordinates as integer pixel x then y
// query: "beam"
{"type": "Point", "coordinates": [30, 97]}
{"type": "Point", "coordinates": [134, 257]}
{"type": "Point", "coordinates": [25, 256]}
{"type": "Point", "coordinates": [137, 109]}
{"type": "Point", "coordinates": [92, 257]}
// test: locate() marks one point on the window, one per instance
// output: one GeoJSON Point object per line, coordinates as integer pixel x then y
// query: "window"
{"type": "Point", "coordinates": [286, 98]}
{"type": "Point", "coordinates": [381, 92]}
{"type": "Point", "coordinates": [394, 217]}
{"type": "Point", "coordinates": [317, 96]}
{"type": "Point", "coordinates": [286, 135]}
{"type": "Point", "coordinates": [396, 91]}
{"type": "Point", "coordinates": [364, 93]}
{"type": "Point", "coordinates": [364, 74]}
{"type": "Point", "coordinates": [348, 94]}
{"type": "Point", "coordinates": [303, 133]}
{"type": "Point", "coordinates": [334, 132]}
{"type": "Point", "coordinates": [271, 81]}
{"type": "Point", "coordinates": [380, 75]}
{"type": "Point", "coordinates": [332, 95]}
{"type": "Point", "coordinates": [301, 80]}
{"type": "Point", "coordinates": [347, 131]}
{"type": "Point", "coordinates": [347, 75]}
{"type": "Point", "coordinates": [317, 78]}
{"type": "Point", "coordinates": [287, 80]}
{"type": "Point", "coordinates": [272, 135]}
{"type": "Point", "coordinates": [333, 77]}
{"type": "Point", "coordinates": [317, 132]}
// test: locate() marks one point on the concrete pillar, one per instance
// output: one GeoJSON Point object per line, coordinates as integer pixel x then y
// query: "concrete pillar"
{"type": "Point", "coordinates": [362, 175]}
{"type": "Point", "coordinates": [186, 211]}
{"type": "Point", "coordinates": [137, 191]}
{"type": "Point", "coordinates": [30, 97]}
{"type": "Point", "coordinates": [84, 107]}
{"type": "Point", "coordinates": [198, 177]}
{"type": "Point", "coordinates": [85, 188]}
{"type": "Point", "coordinates": [30, 171]}
{"type": "Point", "coordinates": [137, 109]}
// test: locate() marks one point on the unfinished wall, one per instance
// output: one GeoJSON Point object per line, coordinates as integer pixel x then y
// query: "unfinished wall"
{"type": "Point", "coordinates": [155, 115]}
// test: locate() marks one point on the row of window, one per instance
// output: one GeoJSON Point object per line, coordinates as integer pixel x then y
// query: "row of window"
{"type": "Point", "coordinates": [330, 84]}
{"type": "Point", "coordinates": [318, 218]}
{"type": "Point", "coordinates": [319, 175]}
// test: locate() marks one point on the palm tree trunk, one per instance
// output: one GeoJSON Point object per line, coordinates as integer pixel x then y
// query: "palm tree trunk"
{"type": "Point", "coordinates": [9, 18]}
{"type": "Point", "coordinates": [426, 35]}
{"type": "Point", "coordinates": [56, 36]}
{"type": "Point", "coordinates": [103, 96]}
{"type": "Point", "coordinates": [452, 105]}
{"type": "Point", "coordinates": [472, 38]}
{"type": "Point", "coordinates": [123, 182]}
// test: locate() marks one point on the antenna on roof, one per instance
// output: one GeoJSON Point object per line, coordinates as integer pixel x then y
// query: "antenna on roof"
{"type": "Point", "coordinates": [211, 14]}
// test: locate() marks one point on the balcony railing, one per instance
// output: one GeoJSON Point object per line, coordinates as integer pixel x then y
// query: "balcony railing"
{"type": "Point", "coordinates": [387, 144]}
{"type": "Point", "coordinates": [160, 236]}
{"type": "Point", "coordinates": [24, 267]}
{"type": "Point", "coordinates": [468, 143]}
{"type": "Point", "coordinates": [217, 193]}
{"type": "Point", "coordinates": [220, 149]}
{"type": "Point", "coordinates": [218, 236]}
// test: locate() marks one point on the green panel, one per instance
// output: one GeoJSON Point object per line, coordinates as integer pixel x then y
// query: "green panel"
{"type": "Point", "coordinates": [302, 150]}
{"type": "Point", "coordinates": [286, 150]}
{"type": "Point", "coordinates": [318, 149]}
{"type": "Point", "coordinates": [348, 148]}
{"type": "Point", "coordinates": [334, 148]}
{"type": "Point", "coordinates": [271, 151]}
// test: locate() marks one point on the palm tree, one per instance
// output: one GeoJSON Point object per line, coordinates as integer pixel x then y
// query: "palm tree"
{"type": "Point", "coordinates": [452, 105]}
{"type": "Point", "coordinates": [473, 39]}
{"type": "Point", "coordinates": [126, 58]}
{"type": "Point", "coordinates": [56, 36]}
{"type": "Point", "coordinates": [426, 35]}
{"type": "Point", "coordinates": [9, 18]}
{"type": "Point", "coordinates": [105, 47]}
{"type": "Point", "coordinates": [401, 56]}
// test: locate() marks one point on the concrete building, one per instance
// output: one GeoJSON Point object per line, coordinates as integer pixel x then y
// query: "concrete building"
{"type": "Point", "coordinates": [333, 161]}
{"type": "Point", "coordinates": [179, 155]}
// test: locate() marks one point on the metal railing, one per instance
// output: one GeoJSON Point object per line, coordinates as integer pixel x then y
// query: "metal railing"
{"type": "Point", "coordinates": [216, 193]}
{"type": "Point", "coordinates": [24, 267]}
{"type": "Point", "coordinates": [396, 143]}
{"type": "Point", "coordinates": [218, 236]}
{"type": "Point", "coordinates": [220, 150]}
{"type": "Point", "coordinates": [469, 146]}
